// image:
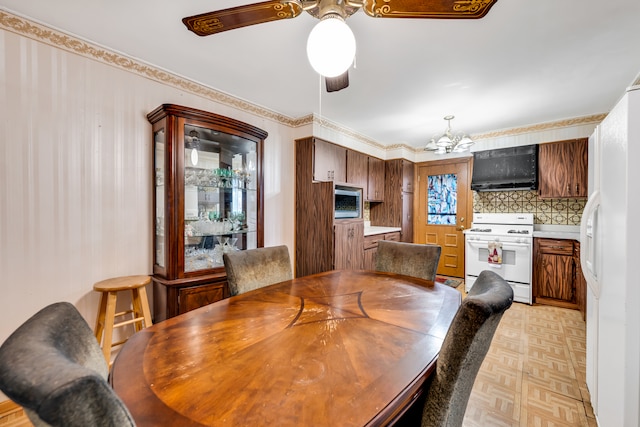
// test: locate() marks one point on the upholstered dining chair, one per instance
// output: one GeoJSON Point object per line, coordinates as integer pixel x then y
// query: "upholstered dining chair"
{"type": "Point", "coordinates": [254, 268]}
{"type": "Point", "coordinates": [463, 350]}
{"type": "Point", "coordinates": [53, 367]}
{"type": "Point", "coordinates": [410, 259]}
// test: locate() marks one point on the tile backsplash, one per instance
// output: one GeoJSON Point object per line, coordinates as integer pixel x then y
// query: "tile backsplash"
{"type": "Point", "coordinates": [545, 211]}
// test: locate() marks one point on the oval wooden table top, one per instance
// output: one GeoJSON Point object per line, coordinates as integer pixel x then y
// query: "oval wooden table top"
{"type": "Point", "coordinates": [340, 348]}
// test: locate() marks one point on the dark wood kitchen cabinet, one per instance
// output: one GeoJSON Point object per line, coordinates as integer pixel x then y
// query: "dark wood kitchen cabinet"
{"type": "Point", "coordinates": [557, 278]}
{"type": "Point", "coordinates": [371, 247]}
{"type": "Point", "coordinates": [397, 209]}
{"type": "Point", "coordinates": [349, 244]}
{"type": "Point", "coordinates": [562, 169]}
{"type": "Point", "coordinates": [207, 199]}
{"type": "Point", "coordinates": [358, 170]}
{"type": "Point", "coordinates": [329, 161]}
{"type": "Point", "coordinates": [376, 180]}
{"type": "Point", "coordinates": [314, 243]}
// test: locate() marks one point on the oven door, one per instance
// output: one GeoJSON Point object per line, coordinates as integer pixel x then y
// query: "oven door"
{"type": "Point", "coordinates": [516, 260]}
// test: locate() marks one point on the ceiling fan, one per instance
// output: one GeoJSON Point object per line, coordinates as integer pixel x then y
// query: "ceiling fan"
{"type": "Point", "coordinates": [273, 10]}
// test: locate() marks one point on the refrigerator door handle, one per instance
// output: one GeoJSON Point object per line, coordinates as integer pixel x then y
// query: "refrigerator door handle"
{"type": "Point", "coordinates": [589, 243]}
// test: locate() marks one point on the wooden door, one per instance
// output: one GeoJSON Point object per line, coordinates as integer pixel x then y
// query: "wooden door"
{"type": "Point", "coordinates": [444, 210]}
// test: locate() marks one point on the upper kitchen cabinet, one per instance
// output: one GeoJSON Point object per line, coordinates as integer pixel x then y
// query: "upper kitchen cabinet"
{"type": "Point", "coordinates": [562, 169]}
{"type": "Point", "coordinates": [208, 200]}
{"type": "Point", "coordinates": [357, 170]}
{"type": "Point", "coordinates": [329, 162]}
{"type": "Point", "coordinates": [375, 188]}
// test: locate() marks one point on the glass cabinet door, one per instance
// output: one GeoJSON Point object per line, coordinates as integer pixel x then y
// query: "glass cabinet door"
{"type": "Point", "coordinates": [220, 196]}
{"type": "Point", "coordinates": [159, 175]}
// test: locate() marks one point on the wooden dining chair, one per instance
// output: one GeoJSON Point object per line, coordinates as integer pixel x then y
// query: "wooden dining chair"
{"type": "Point", "coordinates": [410, 259]}
{"type": "Point", "coordinates": [463, 350]}
{"type": "Point", "coordinates": [54, 368]}
{"type": "Point", "coordinates": [255, 268]}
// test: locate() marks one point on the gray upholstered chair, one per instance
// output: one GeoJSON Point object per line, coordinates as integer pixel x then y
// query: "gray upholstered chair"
{"type": "Point", "coordinates": [410, 259]}
{"type": "Point", "coordinates": [464, 348]}
{"type": "Point", "coordinates": [53, 367]}
{"type": "Point", "coordinates": [254, 268]}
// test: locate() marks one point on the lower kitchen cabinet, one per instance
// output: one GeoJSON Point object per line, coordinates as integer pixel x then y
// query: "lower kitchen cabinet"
{"type": "Point", "coordinates": [174, 297]}
{"type": "Point", "coordinates": [349, 244]}
{"type": "Point", "coordinates": [371, 247]}
{"type": "Point", "coordinates": [557, 277]}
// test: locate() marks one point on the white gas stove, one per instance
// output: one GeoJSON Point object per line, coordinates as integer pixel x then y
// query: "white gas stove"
{"type": "Point", "coordinates": [503, 243]}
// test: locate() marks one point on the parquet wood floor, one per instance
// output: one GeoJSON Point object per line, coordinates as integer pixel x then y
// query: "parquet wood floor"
{"type": "Point", "coordinates": [534, 372]}
{"type": "Point", "coordinates": [532, 376]}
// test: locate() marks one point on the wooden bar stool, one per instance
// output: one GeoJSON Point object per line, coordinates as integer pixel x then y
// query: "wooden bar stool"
{"type": "Point", "coordinates": [139, 315]}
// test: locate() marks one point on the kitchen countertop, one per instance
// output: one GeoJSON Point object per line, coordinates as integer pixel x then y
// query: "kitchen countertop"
{"type": "Point", "coordinates": [569, 232]}
{"type": "Point", "coordinates": [370, 230]}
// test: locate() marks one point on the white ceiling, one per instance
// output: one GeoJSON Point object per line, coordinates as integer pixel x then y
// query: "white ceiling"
{"type": "Point", "coordinates": [526, 62]}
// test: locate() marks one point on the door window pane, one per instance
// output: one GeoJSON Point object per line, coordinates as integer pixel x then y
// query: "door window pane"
{"type": "Point", "coordinates": [442, 199]}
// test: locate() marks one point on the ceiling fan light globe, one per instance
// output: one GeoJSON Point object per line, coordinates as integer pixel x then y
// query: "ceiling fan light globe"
{"type": "Point", "coordinates": [331, 47]}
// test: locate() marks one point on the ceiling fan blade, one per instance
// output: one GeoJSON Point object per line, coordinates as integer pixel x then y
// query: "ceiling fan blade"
{"type": "Point", "coordinates": [337, 83]}
{"type": "Point", "coordinates": [454, 9]}
{"type": "Point", "coordinates": [242, 16]}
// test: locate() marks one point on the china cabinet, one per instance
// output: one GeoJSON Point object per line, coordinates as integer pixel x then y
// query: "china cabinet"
{"type": "Point", "coordinates": [208, 200]}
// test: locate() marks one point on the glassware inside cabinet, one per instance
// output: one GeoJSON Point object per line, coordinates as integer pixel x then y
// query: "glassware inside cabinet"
{"type": "Point", "coordinates": [220, 202]}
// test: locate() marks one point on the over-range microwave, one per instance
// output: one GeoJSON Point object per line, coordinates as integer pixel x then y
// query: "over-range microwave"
{"type": "Point", "coordinates": [348, 202]}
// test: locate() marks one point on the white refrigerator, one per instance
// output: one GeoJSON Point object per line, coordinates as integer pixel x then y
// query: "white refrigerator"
{"type": "Point", "coordinates": [610, 258]}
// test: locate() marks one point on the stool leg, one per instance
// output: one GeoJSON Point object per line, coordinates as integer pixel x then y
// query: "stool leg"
{"type": "Point", "coordinates": [141, 307]}
{"type": "Point", "coordinates": [102, 310]}
{"type": "Point", "coordinates": [108, 325]}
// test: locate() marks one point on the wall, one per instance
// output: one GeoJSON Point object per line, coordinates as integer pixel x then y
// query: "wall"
{"type": "Point", "coordinates": [75, 167]}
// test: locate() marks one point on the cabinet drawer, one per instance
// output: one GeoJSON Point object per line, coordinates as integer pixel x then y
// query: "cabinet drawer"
{"type": "Point", "coordinates": [198, 296]}
{"type": "Point", "coordinates": [372, 241]}
{"type": "Point", "coordinates": [552, 246]}
{"type": "Point", "coordinates": [392, 236]}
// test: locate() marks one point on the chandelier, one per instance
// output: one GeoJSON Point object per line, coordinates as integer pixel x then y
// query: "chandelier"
{"type": "Point", "coordinates": [449, 142]}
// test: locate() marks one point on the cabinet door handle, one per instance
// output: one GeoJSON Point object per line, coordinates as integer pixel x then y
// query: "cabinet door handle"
{"type": "Point", "coordinates": [577, 188]}
{"type": "Point", "coordinates": [569, 188]}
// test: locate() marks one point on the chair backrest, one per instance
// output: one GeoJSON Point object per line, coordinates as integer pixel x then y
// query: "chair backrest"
{"type": "Point", "coordinates": [53, 367]}
{"type": "Point", "coordinates": [463, 350]}
{"type": "Point", "coordinates": [254, 268]}
{"type": "Point", "coordinates": [410, 259]}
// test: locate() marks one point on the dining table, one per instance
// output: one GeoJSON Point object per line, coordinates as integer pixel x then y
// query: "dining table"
{"type": "Point", "coordinates": [338, 348]}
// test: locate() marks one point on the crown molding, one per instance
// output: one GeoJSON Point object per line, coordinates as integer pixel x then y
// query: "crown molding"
{"type": "Point", "coordinates": [578, 121]}
{"type": "Point", "coordinates": [44, 34]}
